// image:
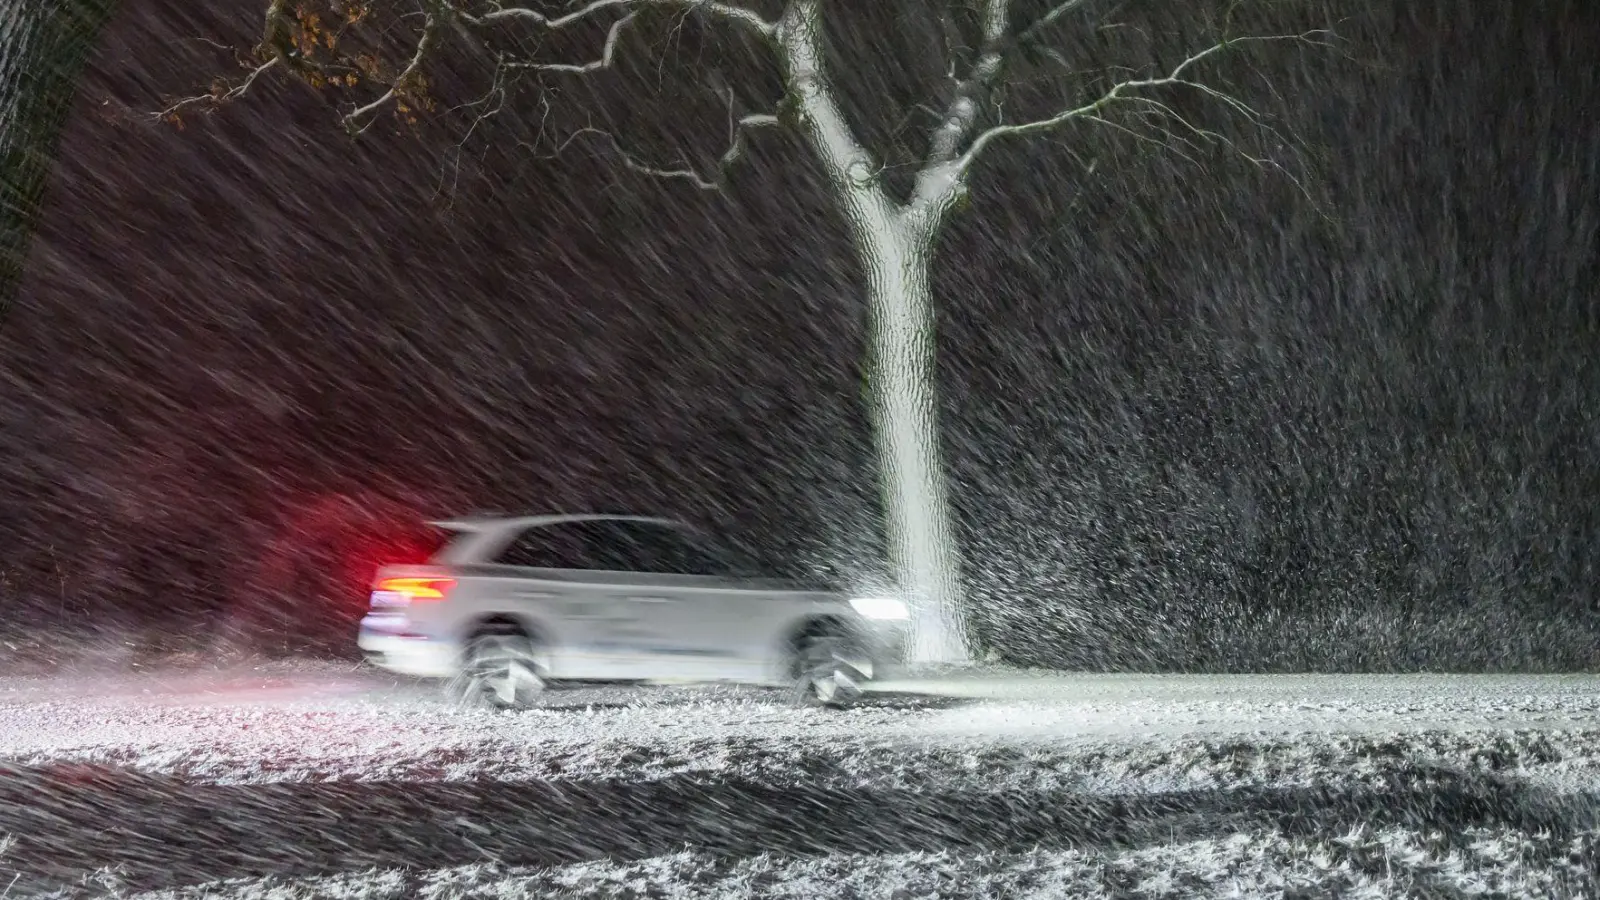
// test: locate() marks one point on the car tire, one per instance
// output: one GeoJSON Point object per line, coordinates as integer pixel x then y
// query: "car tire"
{"type": "Point", "coordinates": [823, 675]}
{"type": "Point", "coordinates": [499, 671]}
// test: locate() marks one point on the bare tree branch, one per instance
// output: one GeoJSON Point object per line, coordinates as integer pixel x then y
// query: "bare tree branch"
{"type": "Point", "coordinates": [738, 145]}
{"type": "Point", "coordinates": [496, 92]}
{"type": "Point", "coordinates": [996, 41]}
{"type": "Point", "coordinates": [723, 10]}
{"type": "Point", "coordinates": [1037, 27]}
{"type": "Point", "coordinates": [741, 130]}
{"type": "Point", "coordinates": [1121, 92]}
{"type": "Point", "coordinates": [956, 48]}
{"type": "Point", "coordinates": [441, 12]}
{"type": "Point", "coordinates": [607, 53]}
{"type": "Point", "coordinates": [962, 115]}
{"type": "Point", "coordinates": [1166, 114]}
{"type": "Point", "coordinates": [430, 30]}
{"type": "Point", "coordinates": [1144, 138]}
{"type": "Point", "coordinates": [218, 97]}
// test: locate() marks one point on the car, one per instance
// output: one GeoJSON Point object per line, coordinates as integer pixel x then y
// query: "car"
{"type": "Point", "coordinates": [512, 605]}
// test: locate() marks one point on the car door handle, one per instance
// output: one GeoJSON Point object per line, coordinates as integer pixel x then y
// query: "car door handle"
{"type": "Point", "coordinates": [534, 595]}
{"type": "Point", "coordinates": [651, 599]}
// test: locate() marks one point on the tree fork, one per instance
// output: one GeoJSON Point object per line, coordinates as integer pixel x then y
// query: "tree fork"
{"type": "Point", "coordinates": [895, 248]}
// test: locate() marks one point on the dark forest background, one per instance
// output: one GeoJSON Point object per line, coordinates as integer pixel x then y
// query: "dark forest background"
{"type": "Point", "coordinates": [1198, 417]}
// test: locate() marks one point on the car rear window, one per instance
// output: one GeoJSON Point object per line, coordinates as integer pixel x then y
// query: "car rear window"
{"type": "Point", "coordinates": [424, 543]}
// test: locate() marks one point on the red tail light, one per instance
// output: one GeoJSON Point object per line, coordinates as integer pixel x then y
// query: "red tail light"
{"type": "Point", "coordinates": [414, 589]}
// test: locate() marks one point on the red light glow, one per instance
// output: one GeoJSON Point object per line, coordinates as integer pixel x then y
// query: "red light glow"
{"type": "Point", "coordinates": [415, 589]}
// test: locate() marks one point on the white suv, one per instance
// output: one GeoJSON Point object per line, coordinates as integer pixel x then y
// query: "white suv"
{"type": "Point", "coordinates": [510, 605]}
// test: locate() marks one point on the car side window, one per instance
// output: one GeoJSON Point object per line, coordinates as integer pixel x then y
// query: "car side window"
{"type": "Point", "coordinates": [607, 550]}
{"type": "Point", "coordinates": [559, 546]}
{"type": "Point", "coordinates": [596, 546]}
{"type": "Point", "coordinates": [612, 546]}
{"type": "Point", "coordinates": [665, 550]}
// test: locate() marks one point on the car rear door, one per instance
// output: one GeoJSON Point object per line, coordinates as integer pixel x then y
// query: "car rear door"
{"type": "Point", "coordinates": [564, 573]}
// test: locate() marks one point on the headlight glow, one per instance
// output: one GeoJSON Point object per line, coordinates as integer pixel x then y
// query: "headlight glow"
{"type": "Point", "coordinates": [880, 608]}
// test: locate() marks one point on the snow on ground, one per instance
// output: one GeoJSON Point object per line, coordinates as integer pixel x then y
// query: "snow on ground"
{"type": "Point", "coordinates": [1362, 863]}
{"type": "Point", "coordinates": [1122, 732]}
{"type": "Point", "coordinates": [335, 781]}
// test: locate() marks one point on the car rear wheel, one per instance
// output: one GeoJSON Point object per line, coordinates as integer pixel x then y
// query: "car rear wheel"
{"type": "Point", "coordinates": [499, 671]}
{"type": "Point", "coordinates": [823, 672]}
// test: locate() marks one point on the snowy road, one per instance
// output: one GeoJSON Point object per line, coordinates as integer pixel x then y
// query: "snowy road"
{"type": "Point", "coordinates": [312, 775]}
{"type": "Point", "coordinates": [229, 723]}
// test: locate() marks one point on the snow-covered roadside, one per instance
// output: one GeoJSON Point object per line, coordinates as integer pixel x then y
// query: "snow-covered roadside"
{"type": "Point", "coordinates": [1106, 733]}
{"type": "Point", "coordinates": [124, 831]}
{"type": "Point", "coordinates": [1392, 862]}
{"type": "Point", "coordinates": [1562, 761]}
{"type": "Point", "coordinates": [1033, 786]}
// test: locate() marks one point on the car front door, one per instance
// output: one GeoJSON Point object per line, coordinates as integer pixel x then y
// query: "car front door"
{"type": "Point", "coordinates": [693, 612]}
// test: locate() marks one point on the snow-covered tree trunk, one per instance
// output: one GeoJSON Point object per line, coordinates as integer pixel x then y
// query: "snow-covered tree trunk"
{"type": "Point", "coordinates": [895, 245]}
{"type": "Point", "coordinates": [904, 390]}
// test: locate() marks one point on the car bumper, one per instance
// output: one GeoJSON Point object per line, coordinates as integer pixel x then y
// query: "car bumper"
{"type": "Point", "coordinates": [386, 643]}
{"type": "Point", "coordinates": [886, 645]}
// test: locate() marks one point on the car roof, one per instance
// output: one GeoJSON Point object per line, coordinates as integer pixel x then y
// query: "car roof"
{"type": "Point", "coordinates": [495, 522]}
{"type": "Point", "coordinates": [479, 537]}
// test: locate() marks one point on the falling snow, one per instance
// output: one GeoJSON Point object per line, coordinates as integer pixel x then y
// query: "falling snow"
{"type": "Point", "coordinates": [1197, 418]}
{"type": "Point", "coordinates": [1303, 383]}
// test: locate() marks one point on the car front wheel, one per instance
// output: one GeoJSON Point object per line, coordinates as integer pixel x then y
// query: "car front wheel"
{"type": "Point", "coordinates": [499, 671]}
{"type": "Point", "coordinates": [824, 674]}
